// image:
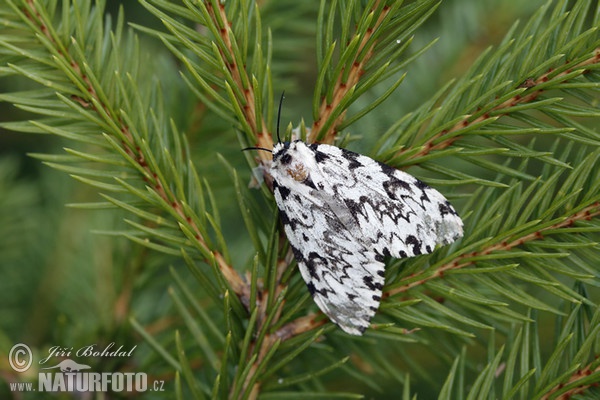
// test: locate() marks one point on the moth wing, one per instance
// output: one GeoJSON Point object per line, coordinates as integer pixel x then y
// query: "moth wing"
{"type": "Point", "coordinates": [344, 276]}
{"type": "Point", "coordinates": [400, 215]}
{"type": "Point", "coordinates": [342, 213]}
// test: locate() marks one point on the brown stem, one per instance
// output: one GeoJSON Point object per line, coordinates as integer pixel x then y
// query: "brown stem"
{"type": "Point", "coordinates": [529, 95]}
{"type": "Point", "coordinates": [341, 87]}
{"type": "Point", "coordinates": [240, 75]}
{"type": "Point", "coordinates": [467, 259]}
{"type": "Point", "coordinates": [135, 152]}
{"type": "Point", "coordinates": [577, 376]}
{"type": "Point", "coordinates": [294, 328]}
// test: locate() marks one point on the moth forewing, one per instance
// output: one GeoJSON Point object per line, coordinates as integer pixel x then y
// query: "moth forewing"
{"type": "Point", "coordinates": [343, 213]}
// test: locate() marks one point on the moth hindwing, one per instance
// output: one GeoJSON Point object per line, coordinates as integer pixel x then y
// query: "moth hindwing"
{"type": "Point", "coordinates": [343, 213]}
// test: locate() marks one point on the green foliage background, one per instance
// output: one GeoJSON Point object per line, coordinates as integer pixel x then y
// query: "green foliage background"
{"type": "Point", "coordinates": [163, 246]}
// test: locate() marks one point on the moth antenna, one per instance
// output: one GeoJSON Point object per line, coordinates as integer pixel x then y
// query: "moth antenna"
{"type": "Point", "coordinates": [257, 148]}
{"type": "Point", "coordinates": [279, 115]}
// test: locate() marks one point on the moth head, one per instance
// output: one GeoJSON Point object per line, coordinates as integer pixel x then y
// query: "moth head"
{"type": "Point", "coordinates": [289, 158]}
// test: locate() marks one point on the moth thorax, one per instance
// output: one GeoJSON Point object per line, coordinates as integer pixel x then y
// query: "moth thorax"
{"type": "Point", "coordinates": [297, 171]}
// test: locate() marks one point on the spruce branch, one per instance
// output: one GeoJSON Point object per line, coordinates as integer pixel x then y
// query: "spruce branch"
{"type": "Point", "coordinates": [578, 383]}
{"type": "Point", "coordinates": [521, 226]}
{"type": "Point", "coordinates": [226, 55]}
{"type": "Point", "coordinates": [381, 26]}
{"type": "Point", "coordinates": [88, 97]}
{"type": "Point", "coordinates": [523, 370]}
{"type": "Point", "coordinates": [491, 248]}
{"type": "Point", "coordinates": [272, 341]}
{"type": "Point", "coordinates": [236, 67]}
{"type": "Point", "coordinates": [360, 50]}
{"type": "Point", "coordinates": [526, 92]}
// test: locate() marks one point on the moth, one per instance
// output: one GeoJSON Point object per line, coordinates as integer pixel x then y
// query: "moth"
{"type": "Point", "coordinates": [343, 213]}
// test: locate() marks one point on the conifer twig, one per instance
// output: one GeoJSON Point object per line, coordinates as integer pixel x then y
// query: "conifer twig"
{"type": "Point", "coordinates": [344, 85]}
{"type": "Point", "coordinates": [465, 260]}
{"type": "Point", "coordinates": [288, 331]}
{"type": "Point", "coordinates": [240, 76]}
{"type": "Point", "coordinates": [579, 375]}
{"type": "Point", "coordinates": [444, 138]}
{"type": "Point", "coordinates": [93, 99]}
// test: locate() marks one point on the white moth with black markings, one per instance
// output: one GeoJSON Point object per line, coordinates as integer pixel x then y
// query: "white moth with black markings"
{"type": "Point", "coordinates": [343, 213]}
